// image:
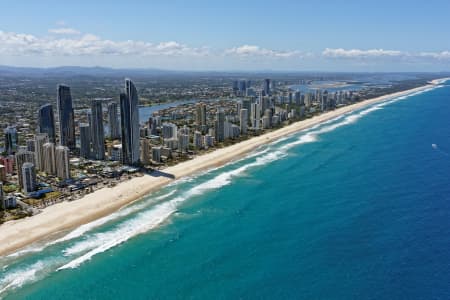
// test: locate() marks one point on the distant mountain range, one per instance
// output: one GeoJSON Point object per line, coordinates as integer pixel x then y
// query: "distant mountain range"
{"type": "Point", "coordinates": [75, 70]}
{"type": "Point", "coordinates": [70, 71]}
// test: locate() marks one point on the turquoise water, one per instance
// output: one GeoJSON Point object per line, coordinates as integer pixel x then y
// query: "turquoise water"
{"type": "Point", "coordinates": [357, 208]}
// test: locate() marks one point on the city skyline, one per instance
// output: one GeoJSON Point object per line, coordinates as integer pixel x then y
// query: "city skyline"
{"type": "Point", "coordinates": [274, 149]}
{"type": "Point", "coordinates": [282, 36]}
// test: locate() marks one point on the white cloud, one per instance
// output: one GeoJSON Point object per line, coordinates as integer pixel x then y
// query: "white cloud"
{"type": "Point", "coordinates": [66, 44]}
{"type": "Point", "coordinates": [436, 55]}
{"type": "Point", "coordinates": [252, 50]}
{"type": "Point", "coordinates": [357, 53]}
{"type": "Point", "coordinates": [88, 44]}
{"type": "Point", "coordinates": [64, 30]}
{"type": "Point", "coordinates": [380, 55]}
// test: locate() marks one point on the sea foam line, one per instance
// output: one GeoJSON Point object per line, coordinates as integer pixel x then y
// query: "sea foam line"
{"type": "Point", "coordinates": [148, 220]}
{"type": "Point", "coordinates": [116, 215]}
{"type": "Point", "coordinates": [312, 133]}
{"type": "Point", "coordinates": [19, 277]}
{"type": "Point", "coordinates": [162, 212]}
{"type": "Point", "coordinates": [310, 136]}
{"type": "Point", "coordinates": [104, 241]}
{"type": "Point", "coordinates": [81, 230]}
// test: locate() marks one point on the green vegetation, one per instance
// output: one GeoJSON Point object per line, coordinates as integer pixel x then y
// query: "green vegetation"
{"type": "Point", "coordinates": [10, 188]}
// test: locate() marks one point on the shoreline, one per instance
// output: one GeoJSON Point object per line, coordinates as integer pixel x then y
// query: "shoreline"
{"type": "Point", "coordinates": [66, 215]}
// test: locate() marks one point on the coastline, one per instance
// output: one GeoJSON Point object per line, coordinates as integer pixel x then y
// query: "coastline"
{"type": "Point", "coordinates": [66, 215]}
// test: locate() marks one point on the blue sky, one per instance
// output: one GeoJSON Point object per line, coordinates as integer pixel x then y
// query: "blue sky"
{"type": "Point", "coordinates": [228, 35]}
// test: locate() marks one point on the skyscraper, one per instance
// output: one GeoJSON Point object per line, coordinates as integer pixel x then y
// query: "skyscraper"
{"type": "Point", "coordinates": [219, 125]}
{"type": "Point", "coordinates": [265, 103]}
{"type": "Point", "coordinates": [255, 115]}
{"type": "Point", "coordinates": [28, 177]}
{"type": "Point", "coordinates": [324, 101]}
{"type": "Point", "coordinates": [235, 86]}
{"type": "Point", "coordinates": [39, 140]}
{"type": "Point", "coordinates": [242, 87]}
{"type": "Point", "coordinates": [98, 135]}
{"type": "Point", "coordinates": [85, 140]}
{"type": "Point", "coordinates": [113, 121]}
{"type": "Point", "coordinates": [11, 139]}
{"type": "Point", "coordinates": [46, 120]}
{"type": "Point", "coordinates": [246, 103]}
{"type": "Point", "coordinates": [243, 120]}
{"type": "Point", "coordinates": [66, 117]}
{"type": "Point", "coordinates": [267, 119]}
{"type": "Point", "coordinates": [62, 162]}
{"type": "Point", "coordinates": [152, 126]}
{"type": "Point", "coordinates": [145, 151]}
{"type": "Point", "coordinates": [298, 98]}
{"type": "Point", "coordinates": [169, 130]}
{"type": "Point", "coordinates": [267, 87]}
{"type": "Point", "coordinates": [183, 142]}
{"type": "Point", "coordinates": [23, 156]}
{"type": "Point", "coordinates": [198, 140]}
{"type": "Point", "coordinates": [130, 124]}
{"type": "Point", "coordinates": [31, 145]}
{"type": "Point", "coordinates": [156, 154]}
{"type": "Point", "coordinates": [49, 163]}
{"type": "Point", "coordinates": [238, 107]}
{"type": "Point", "coordinates": [200, 114]}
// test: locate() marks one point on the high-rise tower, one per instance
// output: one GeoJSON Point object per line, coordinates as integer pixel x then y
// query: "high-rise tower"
{"type": "Point", "coordinates": [220, 125]}
{"type": "Point", "coordinates": [62, 162]}
{"type": "Point", "coordinates": [267, 87]}
{"type": "Point", "coordinates": [11, 139]}
{"type": "Point", "coordinates": [113, 121]}
{"type": "Point", "coordinates": [66, 117]}
{"type": "Point", "coordinates": [39, 140]}
{"type": "Point", "coordinates": [28, 177]}
{"type": "Point", "coordinates": [130, 124]}
{"type": "Point", "coordinates": [46, 120]}
{"type": "Point", "coordinates": [98, 135]}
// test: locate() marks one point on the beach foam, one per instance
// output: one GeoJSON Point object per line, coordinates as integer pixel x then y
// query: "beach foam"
{"type": "Point", "coordinates": [103, 241]}
{"type": "Point", "coordinates": [18, 278]}
{"type": "Point", "coordinates": [148, 220]}
{"type": "Point", "coordinates": [151, 215]}
{"type": "Point", "coordinates": [114, 216]}
{"type": "Point", "coordinates": [108, 240]}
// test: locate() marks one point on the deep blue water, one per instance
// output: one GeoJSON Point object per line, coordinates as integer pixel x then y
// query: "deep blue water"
{"type": "Point", "coordinates": [357, 208]}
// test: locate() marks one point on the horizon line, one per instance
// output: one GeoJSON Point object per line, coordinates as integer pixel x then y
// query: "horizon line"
{"type": "Point", "coordinates": [215, 70]}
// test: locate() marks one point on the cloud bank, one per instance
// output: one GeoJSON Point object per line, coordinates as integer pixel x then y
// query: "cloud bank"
{"type": "Point", "coordinates": [252, 50]}
{"type": "Point", "coordinates": [64, 30]}
{"type": "Point", "coordinates": [358, 53]}
{"type": "Point", "coordinates": [72, 44]}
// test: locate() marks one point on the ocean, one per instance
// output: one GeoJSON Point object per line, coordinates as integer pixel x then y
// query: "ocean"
{"type": "Point", "coordinates": [355, 208]}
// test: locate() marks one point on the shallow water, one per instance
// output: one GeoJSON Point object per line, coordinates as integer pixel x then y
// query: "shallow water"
{"type": "Point", "coordinates": [358, 207]}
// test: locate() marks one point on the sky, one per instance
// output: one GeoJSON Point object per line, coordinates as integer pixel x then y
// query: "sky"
{"type": "Point", "coordinates": [283, 35]}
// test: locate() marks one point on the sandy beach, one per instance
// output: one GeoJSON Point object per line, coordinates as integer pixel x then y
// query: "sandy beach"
{"type": "Point", "coordinates": [66, 215]}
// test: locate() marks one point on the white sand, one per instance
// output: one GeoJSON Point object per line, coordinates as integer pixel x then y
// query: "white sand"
{"type": "Point", "coordinates": [66, 215]}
